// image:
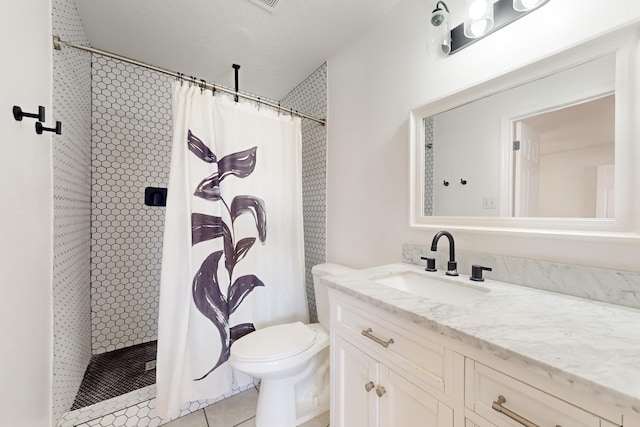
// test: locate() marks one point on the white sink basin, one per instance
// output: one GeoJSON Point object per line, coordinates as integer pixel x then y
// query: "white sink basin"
{"type": "Point", "coordinates": [433, 288]}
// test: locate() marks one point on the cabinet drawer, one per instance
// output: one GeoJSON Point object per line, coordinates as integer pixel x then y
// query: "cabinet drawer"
{"type": "Point", "coordinates": [420, 359]}
{"type": "Point", "coordinates": [483, 386]}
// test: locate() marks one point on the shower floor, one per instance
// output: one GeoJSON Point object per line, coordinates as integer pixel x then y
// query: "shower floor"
{"type": "Point", "coordinates": [115, 373]}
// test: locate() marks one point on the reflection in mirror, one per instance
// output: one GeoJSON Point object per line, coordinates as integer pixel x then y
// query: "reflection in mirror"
{"type": "Point", "coordinates": [557, 131]}
{"type": "Point", "coordinates": [564, 162]}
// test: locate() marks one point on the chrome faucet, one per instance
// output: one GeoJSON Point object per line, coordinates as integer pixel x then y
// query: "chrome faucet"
{"type": "Point", "coordinates": [452, 266]}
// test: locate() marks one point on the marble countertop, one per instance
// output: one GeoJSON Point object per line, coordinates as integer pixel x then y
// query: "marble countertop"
{"type": "Point", "coordinates": [587, 345]}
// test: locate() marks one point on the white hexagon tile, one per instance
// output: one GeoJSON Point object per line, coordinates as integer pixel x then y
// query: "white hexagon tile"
{"type": "Point", "coordinates": [310, 97]}
{"type": "Point", "coordinates": [141, 414]}
{"type": "Point", "coordinates": [428, 166]}
{"type": "Point", "coordinates": [131, 150]}
{"type": "Point", "coordinates": [72, 208]}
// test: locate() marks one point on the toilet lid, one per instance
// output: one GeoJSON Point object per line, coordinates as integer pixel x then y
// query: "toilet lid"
{"type": "Point", "coordinates": [274, 342]}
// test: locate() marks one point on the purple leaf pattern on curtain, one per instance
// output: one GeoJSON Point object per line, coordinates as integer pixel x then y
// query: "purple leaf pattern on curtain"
{"type": "Point", "coordinates": [207, 227]}
{"type": "Point", "coordinates": [244, 204]}
{"type": "Point", "coordinates": [239, 164]}
{"type": "Point", "coordinates": [240, 289]}
{"type": "Point", "coordinates": [209, 188]}
{"type": "Point", "coordinates": [240, 330]}
{"type": "Point", "coordinates": [207, 295]}
{"type": "Point", "coordinates": [210, 301]}
{"type": "Point", "coordinates": [197, 147]}
{"type": "Point", "coordinates": [242, 247]}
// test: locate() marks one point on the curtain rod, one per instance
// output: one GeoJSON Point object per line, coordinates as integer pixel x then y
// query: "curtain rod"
{"type": "Point", "coordinates": [58, 43]}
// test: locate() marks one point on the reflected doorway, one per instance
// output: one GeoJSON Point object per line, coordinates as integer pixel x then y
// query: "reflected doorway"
{"type": "Point", "coordinates": [563, 164]}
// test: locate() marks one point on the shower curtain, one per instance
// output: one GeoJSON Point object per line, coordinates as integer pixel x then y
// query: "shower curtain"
{"type": "Point", "coordinates": [233, 254]}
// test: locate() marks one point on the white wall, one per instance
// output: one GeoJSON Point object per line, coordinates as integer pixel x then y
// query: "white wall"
{"type": "Point", "coordinates": [568, 181]}
{"type": "Point", "coordinates": [25, 217]}
{"type": "Point", "coordinates": [377, 79]}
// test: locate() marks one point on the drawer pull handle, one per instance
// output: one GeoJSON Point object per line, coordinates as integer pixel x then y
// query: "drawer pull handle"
{"type": "Point", "coordinates": [497, 406]}
{"type": "Point", "coordinates": [368, 333]}
{"type": "Point", "coordinates": [369, 386]}
{"type": "Point", "coordinates": [380, 391]}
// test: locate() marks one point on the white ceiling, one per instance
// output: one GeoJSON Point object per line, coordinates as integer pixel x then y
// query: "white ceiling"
{"type": "Point", "coordinates": [277, 49]}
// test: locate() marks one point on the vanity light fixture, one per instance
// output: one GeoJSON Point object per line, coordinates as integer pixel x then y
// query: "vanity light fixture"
{"type": "Point", "coordinates": [439, 34]}
{"type": "Point", "coordinates": [483, 17]}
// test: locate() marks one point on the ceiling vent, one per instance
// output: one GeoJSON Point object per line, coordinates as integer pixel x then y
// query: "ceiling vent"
{"type": "Point", "coordinates": [265, 4]}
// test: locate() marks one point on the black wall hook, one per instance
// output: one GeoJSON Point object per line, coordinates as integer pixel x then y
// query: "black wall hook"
{"type": "Point", "coordinates": [445, 183]}
{"type": "Point", "coordinates": [463, 181]}
{"type": "Point", "coordinates": [57, 129]}
{"type": "Point", "coordinates": [18, 114]}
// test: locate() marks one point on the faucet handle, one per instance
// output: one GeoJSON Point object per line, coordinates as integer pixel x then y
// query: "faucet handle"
{"type": "Point", "coordinates": [476, 272]}
{"type": "Point", "coordinates": [431, 263]}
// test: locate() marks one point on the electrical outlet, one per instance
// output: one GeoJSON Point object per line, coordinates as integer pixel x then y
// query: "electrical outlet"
{"type": "Point", "coordinates": [489, 203]}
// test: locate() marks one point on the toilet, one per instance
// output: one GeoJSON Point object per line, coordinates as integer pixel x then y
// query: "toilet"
{"type": "Point", "coordinates": [292, 362]}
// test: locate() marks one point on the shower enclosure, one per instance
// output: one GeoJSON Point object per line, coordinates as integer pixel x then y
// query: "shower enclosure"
{"type": "Point", "coordinates": [107, 242]}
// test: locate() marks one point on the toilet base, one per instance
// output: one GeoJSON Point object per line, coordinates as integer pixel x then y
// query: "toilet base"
{"type": "Point", "coordinates": [276, 404]}
{"type": "Point", "coordinates": [293, 401]}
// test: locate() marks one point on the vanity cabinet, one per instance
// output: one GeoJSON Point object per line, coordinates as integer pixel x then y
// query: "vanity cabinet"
{"type": "Point", "coordinates": [379, 374]}
{"type": "Point", "coordinates": [387, 371]}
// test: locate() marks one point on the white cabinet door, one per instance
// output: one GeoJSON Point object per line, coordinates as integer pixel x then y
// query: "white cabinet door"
{"type": "Point", "coordinates": [355, 376]}
{"type": "Point", "coordinates": [369, 394]}
{"type": "Point", "coordinates": [404, 404]}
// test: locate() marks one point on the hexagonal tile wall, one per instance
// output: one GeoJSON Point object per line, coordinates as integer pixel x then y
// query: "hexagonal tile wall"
{"type": "Point", "coordinates": [71, 209]}
{"type": "Point", "coordinates": [131, 150]}
{"type": "Point", "coordinates": [310, 96]}
{"type": "Point", "coordinates": [428, 166]}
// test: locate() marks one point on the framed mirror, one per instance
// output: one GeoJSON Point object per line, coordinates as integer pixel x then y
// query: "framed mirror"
{"type": "Point", "coordinates": [544, 149]}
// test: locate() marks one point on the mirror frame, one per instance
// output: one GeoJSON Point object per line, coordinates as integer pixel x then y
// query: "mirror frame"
{"type": "Point", "coordinates": [626, 224]}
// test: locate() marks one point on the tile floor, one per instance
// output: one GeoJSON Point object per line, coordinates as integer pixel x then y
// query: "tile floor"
{"type": "Point", "coordinates": [115, 373]}
{"type": "Point", "coordinates": [236, 411]}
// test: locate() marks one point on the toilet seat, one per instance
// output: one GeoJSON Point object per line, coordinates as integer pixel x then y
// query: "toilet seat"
{"type": "Point", "coordinates": [274, 343]}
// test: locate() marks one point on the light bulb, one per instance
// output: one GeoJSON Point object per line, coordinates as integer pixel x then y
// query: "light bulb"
{"type": "Point", "coordinates": [477, 9]}
{"type": "Point", "coordinates": [480, 18]}
{"type": "Point", "coordinates": [478, 28]}
{"type": "Point", "coordinates": [525, 5]}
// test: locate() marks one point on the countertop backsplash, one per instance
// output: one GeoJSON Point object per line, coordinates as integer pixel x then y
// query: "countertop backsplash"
{"type": "Point", "coordinates": [599, 284]}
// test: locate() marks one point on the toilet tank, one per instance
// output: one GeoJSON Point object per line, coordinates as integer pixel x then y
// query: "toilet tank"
{"type": "Point", "coordinates": [322, 292]}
